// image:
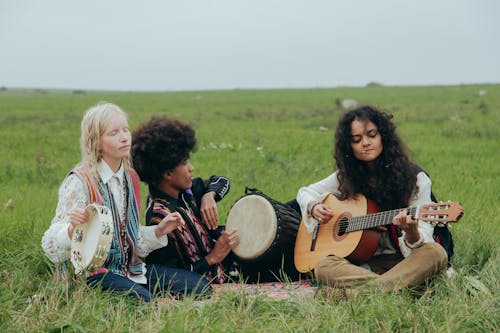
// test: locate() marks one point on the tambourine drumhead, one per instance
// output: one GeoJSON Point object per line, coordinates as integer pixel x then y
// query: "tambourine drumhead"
{"type": "Point", "coordinates": [91, 241]}
{"type": "Point", "coordinates": [256, 221]}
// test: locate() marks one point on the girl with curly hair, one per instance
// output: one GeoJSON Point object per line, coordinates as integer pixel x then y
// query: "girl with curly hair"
{"type": "Point", "coordinates": [372, 160]}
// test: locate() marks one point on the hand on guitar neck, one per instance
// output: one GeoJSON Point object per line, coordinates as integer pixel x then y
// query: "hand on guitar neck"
{"type": "Point", "coordinates": [404, 221]}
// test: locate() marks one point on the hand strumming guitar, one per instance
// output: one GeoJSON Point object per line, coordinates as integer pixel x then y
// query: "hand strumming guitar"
{"type": "Point", "coordinates": [320, 212]}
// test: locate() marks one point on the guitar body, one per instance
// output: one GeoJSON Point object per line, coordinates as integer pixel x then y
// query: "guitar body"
{"type": "Point", "coordinates": [357, 246]}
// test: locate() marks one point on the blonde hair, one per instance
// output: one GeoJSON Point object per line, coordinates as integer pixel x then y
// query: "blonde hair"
{"type": "Point", "coordinates": [94, 122]}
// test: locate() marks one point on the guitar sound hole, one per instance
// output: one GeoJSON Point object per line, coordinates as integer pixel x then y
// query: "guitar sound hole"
{"type": "Point", "coordinates": [342, 226]}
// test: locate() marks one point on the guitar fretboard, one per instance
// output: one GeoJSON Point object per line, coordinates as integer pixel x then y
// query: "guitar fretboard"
{"type": "Point", "coordinates": [372, 220]}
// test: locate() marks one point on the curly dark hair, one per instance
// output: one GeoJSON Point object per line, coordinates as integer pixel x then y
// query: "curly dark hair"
{"type": "Point", "coordinates": [393, 179]}
{"type": "Point", "coordinates": [159, 146]}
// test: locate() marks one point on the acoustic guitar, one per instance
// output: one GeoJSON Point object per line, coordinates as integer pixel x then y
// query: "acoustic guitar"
{"type": "Point", "coordinates": [350, 234]}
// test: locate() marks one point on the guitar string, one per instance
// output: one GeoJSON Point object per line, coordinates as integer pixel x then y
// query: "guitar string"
{"type": "Point", "coordinates": [376, 219]}
{"type": "Point", "coordinates": [370, 220]}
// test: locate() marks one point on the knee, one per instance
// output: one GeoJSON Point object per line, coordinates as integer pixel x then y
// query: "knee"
{"type": "Point", "coordinates": [141, 294]}
{"type": "Point", "coordinates": [436, 254]}
{"type": "Point", "coordinates": [192, 284]}
{"type": "Point", "coordinates": [202, 287]}
{"type": "Point", "coordinates": [324, 271]}
{"type": "Point", "coordinates": [319, 269]}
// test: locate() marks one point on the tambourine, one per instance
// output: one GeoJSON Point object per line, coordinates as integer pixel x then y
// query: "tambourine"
{"type": "Point", "coordinates": [91, 241]}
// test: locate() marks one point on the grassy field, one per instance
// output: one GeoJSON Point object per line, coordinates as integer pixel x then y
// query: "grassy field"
{"type": "Point", "coordinates": [269, 139]}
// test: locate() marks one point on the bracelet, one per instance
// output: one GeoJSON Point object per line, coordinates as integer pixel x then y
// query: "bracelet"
{"type": "Point", "coordinates": [312, 209]}
{"type": "Point", "coordinates": [414, 245]}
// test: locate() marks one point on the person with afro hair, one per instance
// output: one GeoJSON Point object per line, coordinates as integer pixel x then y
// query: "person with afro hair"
{"type": "Point", "coordinates": [160, 154]}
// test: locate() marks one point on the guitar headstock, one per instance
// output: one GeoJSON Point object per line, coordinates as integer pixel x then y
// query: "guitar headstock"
{"type": "Point", "coordinates": [441, 212]}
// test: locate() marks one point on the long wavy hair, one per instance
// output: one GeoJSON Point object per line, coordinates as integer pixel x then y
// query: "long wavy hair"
{"type": "Point", "coordinates": [392, 180]}
{"type": "Point", "coordinates": [93, 125]}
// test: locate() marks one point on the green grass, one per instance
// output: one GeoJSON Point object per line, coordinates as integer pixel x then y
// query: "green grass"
{"type": "Point", "coordinates": [269, 139]}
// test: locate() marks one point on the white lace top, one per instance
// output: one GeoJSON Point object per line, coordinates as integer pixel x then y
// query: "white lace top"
{"type": "Point", "coordinates": [73, 194]}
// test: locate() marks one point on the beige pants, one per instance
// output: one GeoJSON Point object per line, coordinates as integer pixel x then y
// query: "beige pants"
{"type": "Point", "coordinates": [388, 272]}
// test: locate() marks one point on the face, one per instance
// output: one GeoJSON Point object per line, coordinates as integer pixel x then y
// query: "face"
{"type": "Point", "coordinates": [178, 179]}
{"type": "Point", "coordinates": [115, 141]}
{"type": "Point", "coordinates": [366, 141]}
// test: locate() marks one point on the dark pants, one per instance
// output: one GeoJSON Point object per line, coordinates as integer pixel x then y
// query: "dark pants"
{"type": "Point", "coordinates": [161, 280]}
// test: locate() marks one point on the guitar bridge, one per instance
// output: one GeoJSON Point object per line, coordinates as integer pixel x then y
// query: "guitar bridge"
{"type": "Point", "coordinates": [314, 237]}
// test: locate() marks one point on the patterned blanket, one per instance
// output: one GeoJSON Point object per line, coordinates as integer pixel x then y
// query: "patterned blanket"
{"type": "Point", "coordinates": [273, 290]}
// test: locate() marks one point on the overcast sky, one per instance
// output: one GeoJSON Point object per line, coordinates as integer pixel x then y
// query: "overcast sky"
{"type": "Point", "coordinates": [226, 44]}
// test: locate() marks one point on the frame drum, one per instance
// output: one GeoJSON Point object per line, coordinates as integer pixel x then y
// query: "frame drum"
{"type": "Point", "coordinates": [91, 241]}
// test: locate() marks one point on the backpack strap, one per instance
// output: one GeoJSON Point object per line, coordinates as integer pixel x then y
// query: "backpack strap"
{"type": "Point", "coordinates": [442, 234]}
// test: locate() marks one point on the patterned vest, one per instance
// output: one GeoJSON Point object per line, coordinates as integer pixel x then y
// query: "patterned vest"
{"type": "Point", "coordinates": [121, 259]}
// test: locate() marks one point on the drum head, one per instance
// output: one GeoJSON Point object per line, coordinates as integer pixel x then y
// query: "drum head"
{"type": "Point", "coordinates": [255, 219]}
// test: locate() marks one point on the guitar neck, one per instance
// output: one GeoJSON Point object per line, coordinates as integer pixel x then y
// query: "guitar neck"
{"type": "Point", "coordinates": [374, 220]}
